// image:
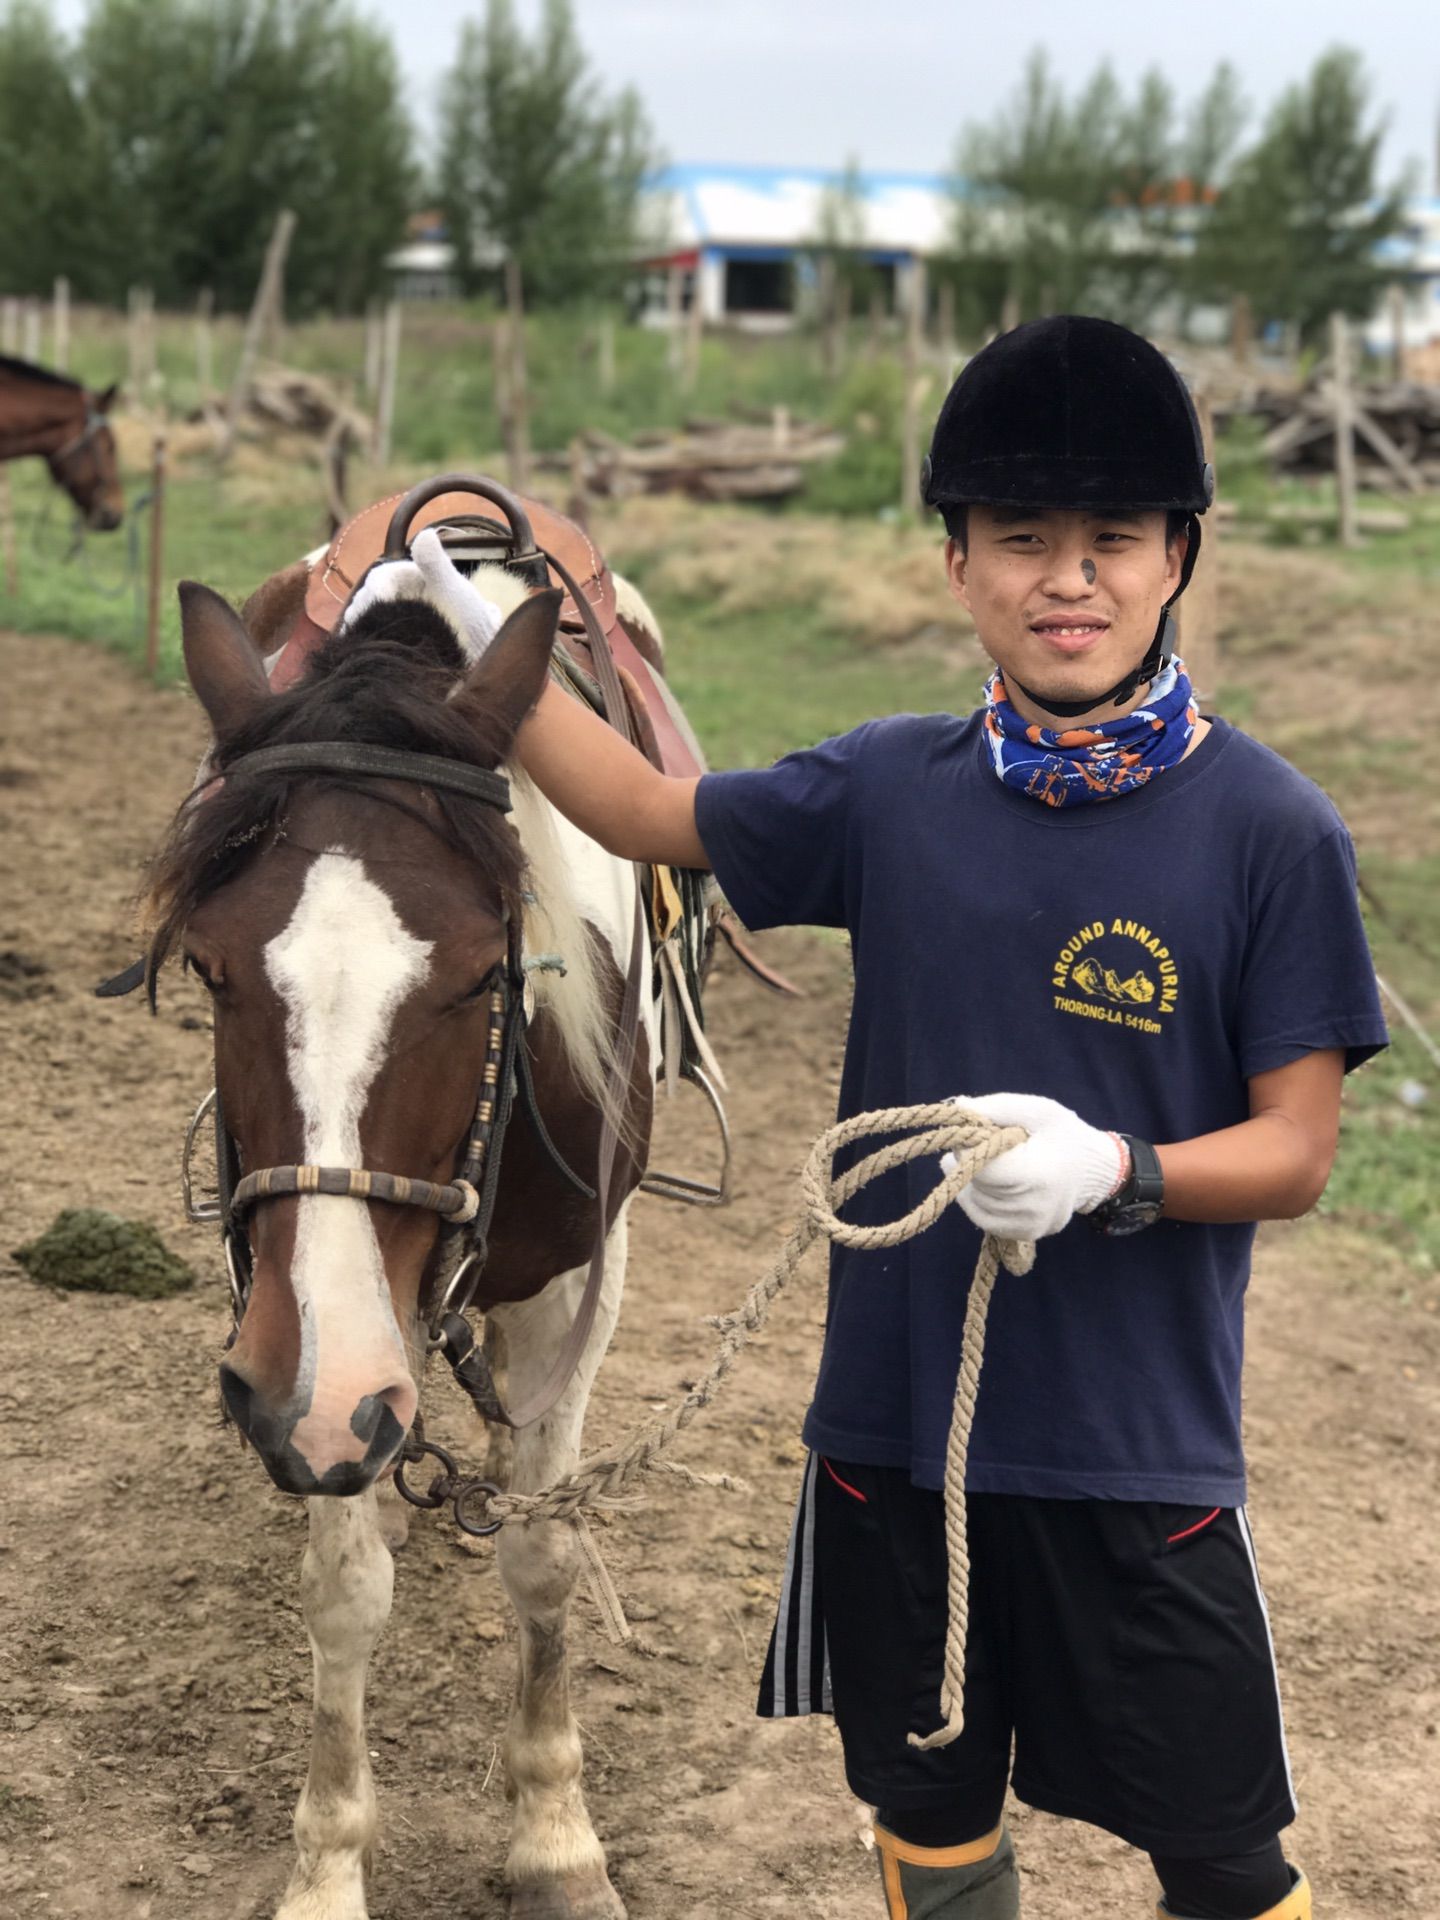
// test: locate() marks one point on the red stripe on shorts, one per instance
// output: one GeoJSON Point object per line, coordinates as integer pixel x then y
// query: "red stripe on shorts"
{"type": "Point", "coordinates": [1185, 1532]}
{"type": "Point", "coordinates": [855, 1491]}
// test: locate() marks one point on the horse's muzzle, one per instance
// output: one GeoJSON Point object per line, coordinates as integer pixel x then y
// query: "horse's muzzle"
{"type": "Point", "coordinates": [374, 1424]}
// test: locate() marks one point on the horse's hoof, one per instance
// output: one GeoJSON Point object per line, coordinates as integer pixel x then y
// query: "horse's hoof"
{"type": "Point", "coordinates": [577, 1896]}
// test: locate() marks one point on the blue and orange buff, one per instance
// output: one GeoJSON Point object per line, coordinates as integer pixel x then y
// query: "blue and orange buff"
{"type": "Point", "coordinates": [1064, 768]}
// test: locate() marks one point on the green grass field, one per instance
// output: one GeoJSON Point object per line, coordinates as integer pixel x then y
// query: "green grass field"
{"type": "Point", "coordinates": [785, 627]}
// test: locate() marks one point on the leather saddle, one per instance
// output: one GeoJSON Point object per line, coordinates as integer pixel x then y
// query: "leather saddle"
{"type": "Point", "coordinates": [660, 728]}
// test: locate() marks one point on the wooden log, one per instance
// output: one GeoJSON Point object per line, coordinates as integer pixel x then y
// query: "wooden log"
{"type": "Point", "coordinates": [1404, 470]}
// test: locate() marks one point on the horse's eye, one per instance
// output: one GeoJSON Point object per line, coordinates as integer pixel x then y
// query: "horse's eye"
{"type": "Point", "coordinates": [191, 965]}
{"type": "Point", "coordinates": [480, 991]}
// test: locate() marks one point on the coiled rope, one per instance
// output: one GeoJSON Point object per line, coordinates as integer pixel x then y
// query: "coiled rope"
{"type": "Point", "coordinates": [928, 1132]}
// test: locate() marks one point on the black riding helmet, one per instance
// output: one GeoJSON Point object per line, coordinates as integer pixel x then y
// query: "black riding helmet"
{"type": "Point", "coordinates": [1074, 412]}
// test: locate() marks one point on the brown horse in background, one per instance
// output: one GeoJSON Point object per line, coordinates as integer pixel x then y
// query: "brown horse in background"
{"type": "Point", "coordinates": [47, 414]}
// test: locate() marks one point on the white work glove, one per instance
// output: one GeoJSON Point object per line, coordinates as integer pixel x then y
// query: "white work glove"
{"type": "Point", "coordinates": [1065, 1167]}
{"type": "Point", "coordinates": [431, 576]}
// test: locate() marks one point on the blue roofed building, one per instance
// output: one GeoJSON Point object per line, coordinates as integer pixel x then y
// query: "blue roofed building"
{"type": "Point", "coordinates": [744, 237]}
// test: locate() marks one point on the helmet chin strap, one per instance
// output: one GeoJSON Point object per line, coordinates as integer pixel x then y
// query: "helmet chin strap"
{"type": "Point", "coordinates": [1157, 655]}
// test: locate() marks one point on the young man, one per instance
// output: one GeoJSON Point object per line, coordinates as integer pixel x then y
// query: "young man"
{"type": "Point", "coordinates": [1134, 932]}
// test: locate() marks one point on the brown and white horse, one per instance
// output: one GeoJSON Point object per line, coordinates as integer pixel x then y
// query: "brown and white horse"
{"type": "Point", "coordinates": [46, 414]}
{"type": "Point", "coordinates": [347, 929]}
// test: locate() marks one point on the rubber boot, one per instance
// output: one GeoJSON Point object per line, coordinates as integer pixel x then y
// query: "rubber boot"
{"type": "Point", "coordinates": [976, 1881]}
{"type": "Point", "coordinates": [1295, 1905]}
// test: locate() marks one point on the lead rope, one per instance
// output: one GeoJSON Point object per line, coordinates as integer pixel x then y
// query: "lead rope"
{"type": "Point", "coordinates": [932, 1130]}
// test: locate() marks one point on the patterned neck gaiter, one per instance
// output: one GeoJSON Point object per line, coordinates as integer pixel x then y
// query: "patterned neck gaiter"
{"type": "Point", "coordinates": [1064, 767]}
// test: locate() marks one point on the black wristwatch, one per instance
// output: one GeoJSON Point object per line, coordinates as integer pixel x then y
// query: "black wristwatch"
{"type": "Point", "coordinates": [1137, 1202]}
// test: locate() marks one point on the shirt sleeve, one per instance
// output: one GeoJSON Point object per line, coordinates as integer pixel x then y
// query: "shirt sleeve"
{"type": "Point", "coordinates": [777, 837]}
{"type": "Point", "coordinates": [1309, 981]}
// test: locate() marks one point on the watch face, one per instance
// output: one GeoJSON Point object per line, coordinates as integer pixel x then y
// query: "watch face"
{"type": "Point", "coordinates": [1132, 1219]}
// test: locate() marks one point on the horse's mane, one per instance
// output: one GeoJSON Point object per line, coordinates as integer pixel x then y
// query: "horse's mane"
{"type": "Point", "coordinates": [29, 370]}
{"type": "Point", "coordinates": [382, 683]}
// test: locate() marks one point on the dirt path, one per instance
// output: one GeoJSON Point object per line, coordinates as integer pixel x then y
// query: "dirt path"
{"type": "Point", "coordinates": [153, 1696]}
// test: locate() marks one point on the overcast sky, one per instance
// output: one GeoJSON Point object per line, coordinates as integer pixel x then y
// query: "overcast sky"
{"type": "Point", "coordinates": [806, 82]}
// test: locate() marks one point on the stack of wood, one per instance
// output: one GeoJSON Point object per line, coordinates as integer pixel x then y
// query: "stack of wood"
{"type": "Point", "coordinates": [300, 403]}
{"type": "Point", "coordinates": [707, 459]}
{"type": "Point", "coordinates": [1396, 425]}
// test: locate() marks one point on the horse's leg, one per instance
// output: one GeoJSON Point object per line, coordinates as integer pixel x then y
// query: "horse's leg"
{"type": "Point", "coordinates": [499, 1440]}
{"type": "Point", "coordinates": [345, 1586]}
{"type": "Point", "coordinates": [556, 1865]}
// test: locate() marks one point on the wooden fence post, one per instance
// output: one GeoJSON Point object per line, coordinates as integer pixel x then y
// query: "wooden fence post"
{"type": "Point", "coordinates": [1344, 428]}
{"type": "Point", "coordinates": [1397, 328]}
{"type": "Point", "coordinates": [1199, 611]}
{"type": "Point", "coordinates": [9, 325]}
{"type": "Point", "coordinates": [389, 373]}
{"type": "Point", "coordinates": [204, 343]}
{"type": "Point", "coordinates": [674, 320]}
{"type": "Point", "coordinates": [60, 326]}
{"type": "Point", "coordinates": [694, 332]}
{"type": "Point", "coordinates": [910, 406]}
{"type": "Point", "coordinates": [518, 439]}
{"type": "Point", "coordinates": [7, 534]}
{"type": "Point", "coordinates": [31, 349]}
{"type": "Point", "coordinates": [374, 349]}
{"type": "Point", "coordinates": [157, 554]}
{"type": "Point", "coordinates": [263, 308]}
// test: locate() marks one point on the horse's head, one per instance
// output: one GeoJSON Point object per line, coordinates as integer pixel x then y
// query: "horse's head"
{"type": "Point", "coordinates": [87, 468]}
{"type": "Point", "coordinates": [348, 930]}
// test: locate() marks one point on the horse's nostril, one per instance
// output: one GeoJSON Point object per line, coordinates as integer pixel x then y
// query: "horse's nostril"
{"type": "Point", "coordinates": [239, 1397]}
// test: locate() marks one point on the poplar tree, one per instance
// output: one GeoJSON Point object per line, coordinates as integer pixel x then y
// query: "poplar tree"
{"type": "Point", "coordinates": [1299, 226]}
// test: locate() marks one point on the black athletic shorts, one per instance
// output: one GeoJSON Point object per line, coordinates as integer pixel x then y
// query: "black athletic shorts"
{"type": "Point", "coordinates": [1123, 1646]}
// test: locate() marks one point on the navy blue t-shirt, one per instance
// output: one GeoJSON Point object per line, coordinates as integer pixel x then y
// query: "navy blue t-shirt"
{"type": "Point", "coordinates": [1138, 959]}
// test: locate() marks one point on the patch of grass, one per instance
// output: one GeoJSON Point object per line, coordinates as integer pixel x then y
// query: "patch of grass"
{"type": "Point", "coordinates": [18, 1811]}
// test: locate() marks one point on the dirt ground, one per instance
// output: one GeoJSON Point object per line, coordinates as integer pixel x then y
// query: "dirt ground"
{"type": "Point", "coordinates": [155, 1679]}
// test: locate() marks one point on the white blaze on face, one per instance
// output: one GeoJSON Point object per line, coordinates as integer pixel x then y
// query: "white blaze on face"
{"type": "Point", "coordinates": [341, 967]}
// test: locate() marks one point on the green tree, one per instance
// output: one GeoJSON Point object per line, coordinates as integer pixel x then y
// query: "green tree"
{"type": "Point", "coordinates": [173, 131]}
{"type": "Point", "coordinates": [540, 169]}
{"type": "Point", "coordinates": [41, 151]}
{"type": "Point", "coordinates": [1088, 200]}
{"type": "Point", "coordinates": [1297, 228]}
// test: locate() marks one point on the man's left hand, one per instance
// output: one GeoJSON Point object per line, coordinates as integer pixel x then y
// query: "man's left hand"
{"type": "Point", "coordinates": [1065, 1167]}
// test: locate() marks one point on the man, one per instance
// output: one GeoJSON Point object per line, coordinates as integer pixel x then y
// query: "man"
{"type": "Point", "coordinates": [1133, 932]}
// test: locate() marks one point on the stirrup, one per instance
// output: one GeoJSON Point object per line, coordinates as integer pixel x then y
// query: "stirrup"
{"type": "Point", "coordinates": [680, 1186]}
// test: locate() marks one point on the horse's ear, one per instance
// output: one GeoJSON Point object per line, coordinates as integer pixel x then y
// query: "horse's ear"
{"type": "Point", "coordinates": [104, 401]}
{"type": "Point", "coordinates": [220, 658]}
{"type": "Point", "coordinates": [507, 680]}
